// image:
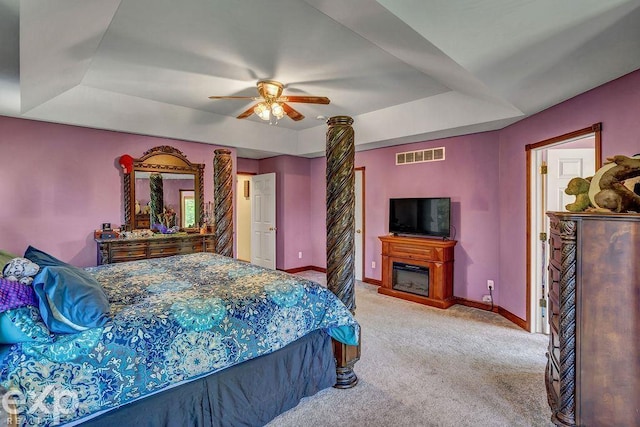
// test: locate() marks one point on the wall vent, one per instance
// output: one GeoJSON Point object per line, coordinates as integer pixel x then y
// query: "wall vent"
{"type": "Point", "coordinates": [421, 156]}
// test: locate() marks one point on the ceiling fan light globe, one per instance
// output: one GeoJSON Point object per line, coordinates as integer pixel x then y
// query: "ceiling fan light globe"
{"type": "Point", "coordinates": [277, 110]}
{"type": "Point", "coordinates": [262, 111]}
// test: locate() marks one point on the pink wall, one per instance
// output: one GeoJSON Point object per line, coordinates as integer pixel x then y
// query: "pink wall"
{"type": "Point", "coordinates": [615, 104]}
{"type": "Point", "coordinates": [292, 209]}
{"type": "Point", "coordinates": [469, 176]}
{"type": "Point", "coordinates": [59, 183]}
{"type": "Point", "coordinates": [248, 165]}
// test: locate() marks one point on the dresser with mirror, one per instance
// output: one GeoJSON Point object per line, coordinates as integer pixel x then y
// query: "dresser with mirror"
{"type": "Point", "coordinates": [163, 192]}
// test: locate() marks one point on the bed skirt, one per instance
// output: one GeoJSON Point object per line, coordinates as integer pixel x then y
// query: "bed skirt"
{"type": "Point", "coordinates": [249, 394]}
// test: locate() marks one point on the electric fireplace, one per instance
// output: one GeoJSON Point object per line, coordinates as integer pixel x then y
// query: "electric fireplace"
{"type": "Point", "coordinates": [411, 278]}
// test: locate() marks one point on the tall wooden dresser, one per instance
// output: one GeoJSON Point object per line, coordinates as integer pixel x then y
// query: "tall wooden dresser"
{"type": "Point", "coordinates": [593, 368]}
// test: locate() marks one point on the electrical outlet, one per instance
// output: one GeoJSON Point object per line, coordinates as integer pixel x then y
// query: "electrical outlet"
{"type": "Point", "coordinates": [300, 255]}
{"type": "Point", "coordinates": [490, 285]}
{"type": "Point", "coordinates": [373, 264]}
{"type": "Point", "coordinates": [486, 298]}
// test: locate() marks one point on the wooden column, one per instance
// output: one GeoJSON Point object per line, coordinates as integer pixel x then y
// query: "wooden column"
{"type": "Point", "coordinates": [223, 201]}
{"type": "Point", "coordinates": [340, 233]}
{"type": "Point", "coordinates": [129, 219]}
{"type": "Point", "coordinates": [157, 199]}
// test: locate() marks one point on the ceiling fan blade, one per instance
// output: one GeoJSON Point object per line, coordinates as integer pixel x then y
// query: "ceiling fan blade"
{"type": "Point", "coordinates": [232, 97]}
{"type": "Point", "coordinates": [293, 114]}
{"type": "Point", "coordinates": [247, 113]}
{"type": "Point", "coordinates": [305, 99]}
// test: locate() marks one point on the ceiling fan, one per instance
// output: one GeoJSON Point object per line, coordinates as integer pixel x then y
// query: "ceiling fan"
{"type": "Point", "coordinates": [271, 104]}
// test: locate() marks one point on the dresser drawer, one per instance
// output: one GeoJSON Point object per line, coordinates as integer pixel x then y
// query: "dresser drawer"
{"type": "Point", "coordinates": [554, 378]}
{"type": "Point", "coordinates": [128, 252]}
{"type": "Point", "coordinates": [191, 247]}
{"type": "Point", "coordinates": [555, 248]}
{"type": "Point", "coordinates": [414, 251]}
{"type": "Point", "coordinates": [554, 282]}
{"type": "Point", "coordinates": [554, 346]}
{"type": "Point", "coordinates": [156, 251]}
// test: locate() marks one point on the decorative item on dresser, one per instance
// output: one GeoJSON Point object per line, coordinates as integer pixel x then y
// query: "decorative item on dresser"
{"type": "Point", "coordinates": [130, 249]}
{"type": "Point", "coordinates": [418, 269]}
{"type": "Point", "coordinates": [593, 367]}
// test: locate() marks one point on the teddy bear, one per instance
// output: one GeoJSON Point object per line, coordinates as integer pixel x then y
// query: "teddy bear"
{"type": "Point", "coordinates": [20, 270]}
{"type": "Point", "coordinates": [579, 187]}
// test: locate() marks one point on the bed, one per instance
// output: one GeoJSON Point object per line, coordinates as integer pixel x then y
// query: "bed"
{"type": "Point", "coordinates": [197, 339]}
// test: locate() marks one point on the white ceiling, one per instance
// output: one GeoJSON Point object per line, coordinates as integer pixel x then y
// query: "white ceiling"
{"type": "Point", "coordinates": [405, 70]}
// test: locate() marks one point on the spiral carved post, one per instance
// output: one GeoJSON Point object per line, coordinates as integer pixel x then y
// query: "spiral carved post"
{"type": "Point", "coordinates": [128, 220]}
{"type": "Point", "coordinates": [157, 198]}
{"type": "Point", "coordinates": [567, 333]}
{"type": "Point", "coordinates": [340, 234]}
{"type": "Point", "coordinates": [222, 199]}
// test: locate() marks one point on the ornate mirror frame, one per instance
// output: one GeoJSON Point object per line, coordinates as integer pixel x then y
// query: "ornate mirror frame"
{"type": "Point", "coordinates": [160, 159]}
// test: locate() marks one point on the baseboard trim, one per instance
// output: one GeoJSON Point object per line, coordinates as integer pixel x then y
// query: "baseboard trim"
{"type": "Point", "coordinates": [372, 281]}
{"type": "Point", "coordinates": [496, 309]}
{"type": "Point", "coordinates": [476, 304]}
{"type": "Point", "coordinates": [457, 300]}
{"type": "Point", "coordinates": [306, 268]}
{"type": "Point", "coordinates": [513, 318]}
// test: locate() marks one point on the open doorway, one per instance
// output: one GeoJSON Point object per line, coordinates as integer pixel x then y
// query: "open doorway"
{"type": "Point", "coordinates": [551, 164]}
{"type": "Point", "coordinates": [243, 216]}
{"type": "Point", "coordinates": [359, 223]}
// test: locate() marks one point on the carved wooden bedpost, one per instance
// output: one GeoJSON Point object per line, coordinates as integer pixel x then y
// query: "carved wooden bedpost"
{"type": "Point", "coordinates": [222, 199]}
{"type": "Point", "coordinates": [340, 234]}
{"type": "Point", "coordinates": [157, 199]}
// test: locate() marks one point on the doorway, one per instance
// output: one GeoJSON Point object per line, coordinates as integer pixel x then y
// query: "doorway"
{"type": "Point", "coordinates": [551, 164]}
{"type": "Point", "coordinates": [243, 216]}
{"type": "Point", "coordinates": [359, 223]}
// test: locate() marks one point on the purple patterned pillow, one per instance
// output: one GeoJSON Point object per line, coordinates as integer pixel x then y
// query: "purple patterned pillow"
{"type": "Point", "coordinates": [15, 294]}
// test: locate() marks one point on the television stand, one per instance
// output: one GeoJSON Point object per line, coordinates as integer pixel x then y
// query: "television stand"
{"type": "Point", "coordinates": [435, 256]}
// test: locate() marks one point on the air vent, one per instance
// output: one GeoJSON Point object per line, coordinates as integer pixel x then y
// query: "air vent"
{"type": "Point", "coordinates": [421, 156]}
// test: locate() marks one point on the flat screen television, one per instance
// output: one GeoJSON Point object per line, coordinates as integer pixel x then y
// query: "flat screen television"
{"type": "Point", "coordinates": [423, 216]}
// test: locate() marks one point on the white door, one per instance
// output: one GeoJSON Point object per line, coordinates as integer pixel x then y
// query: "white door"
{"type": "Point", "coordinates": [563, 164]}
{"type": "Point", "coordinates": [263, 220]}
{"type": "Point", "coordinates": [359, 236]}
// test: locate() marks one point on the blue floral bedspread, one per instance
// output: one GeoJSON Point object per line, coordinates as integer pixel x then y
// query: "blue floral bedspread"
{"type": "Point", "coordinates": [174, 319]}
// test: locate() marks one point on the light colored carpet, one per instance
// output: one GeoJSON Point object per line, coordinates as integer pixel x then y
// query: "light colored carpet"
{"type": "Point", "coordinates": [423, 366]}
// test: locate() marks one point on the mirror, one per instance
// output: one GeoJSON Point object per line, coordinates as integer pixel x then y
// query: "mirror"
{"type": "Point", "coordinates": [163, 187]}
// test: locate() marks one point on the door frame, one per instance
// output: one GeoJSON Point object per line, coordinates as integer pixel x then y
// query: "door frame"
{"type": "Point", "coordinates": [595, 129]}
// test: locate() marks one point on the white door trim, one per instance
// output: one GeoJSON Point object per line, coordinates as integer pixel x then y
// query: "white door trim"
{"type": "Point", "coordinates": [539, 204]}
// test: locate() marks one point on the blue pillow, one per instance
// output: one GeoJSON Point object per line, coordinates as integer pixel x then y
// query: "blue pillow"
{"type": "Point", "coordinates": [22, 325]}
{"type": "Point", "coordinates": [43, 259]}
{"type": "Point", "coordinates": [70, 299]}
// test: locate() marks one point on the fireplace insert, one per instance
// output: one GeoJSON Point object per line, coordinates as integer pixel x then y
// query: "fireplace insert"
{"type": "Point", "coordinates": [411, 278]}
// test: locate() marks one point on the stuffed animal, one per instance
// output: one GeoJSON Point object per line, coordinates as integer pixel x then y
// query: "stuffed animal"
{"type": "Point", "coordinates": [614, 194]}
{"type": "Point", "coordinates": [20, 270]}
{"type": "Point", "coordinates": [578, 187]}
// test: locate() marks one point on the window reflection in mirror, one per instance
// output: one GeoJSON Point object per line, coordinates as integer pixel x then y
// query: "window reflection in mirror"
{"type": "Point", "coordinates": [187, 209]}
